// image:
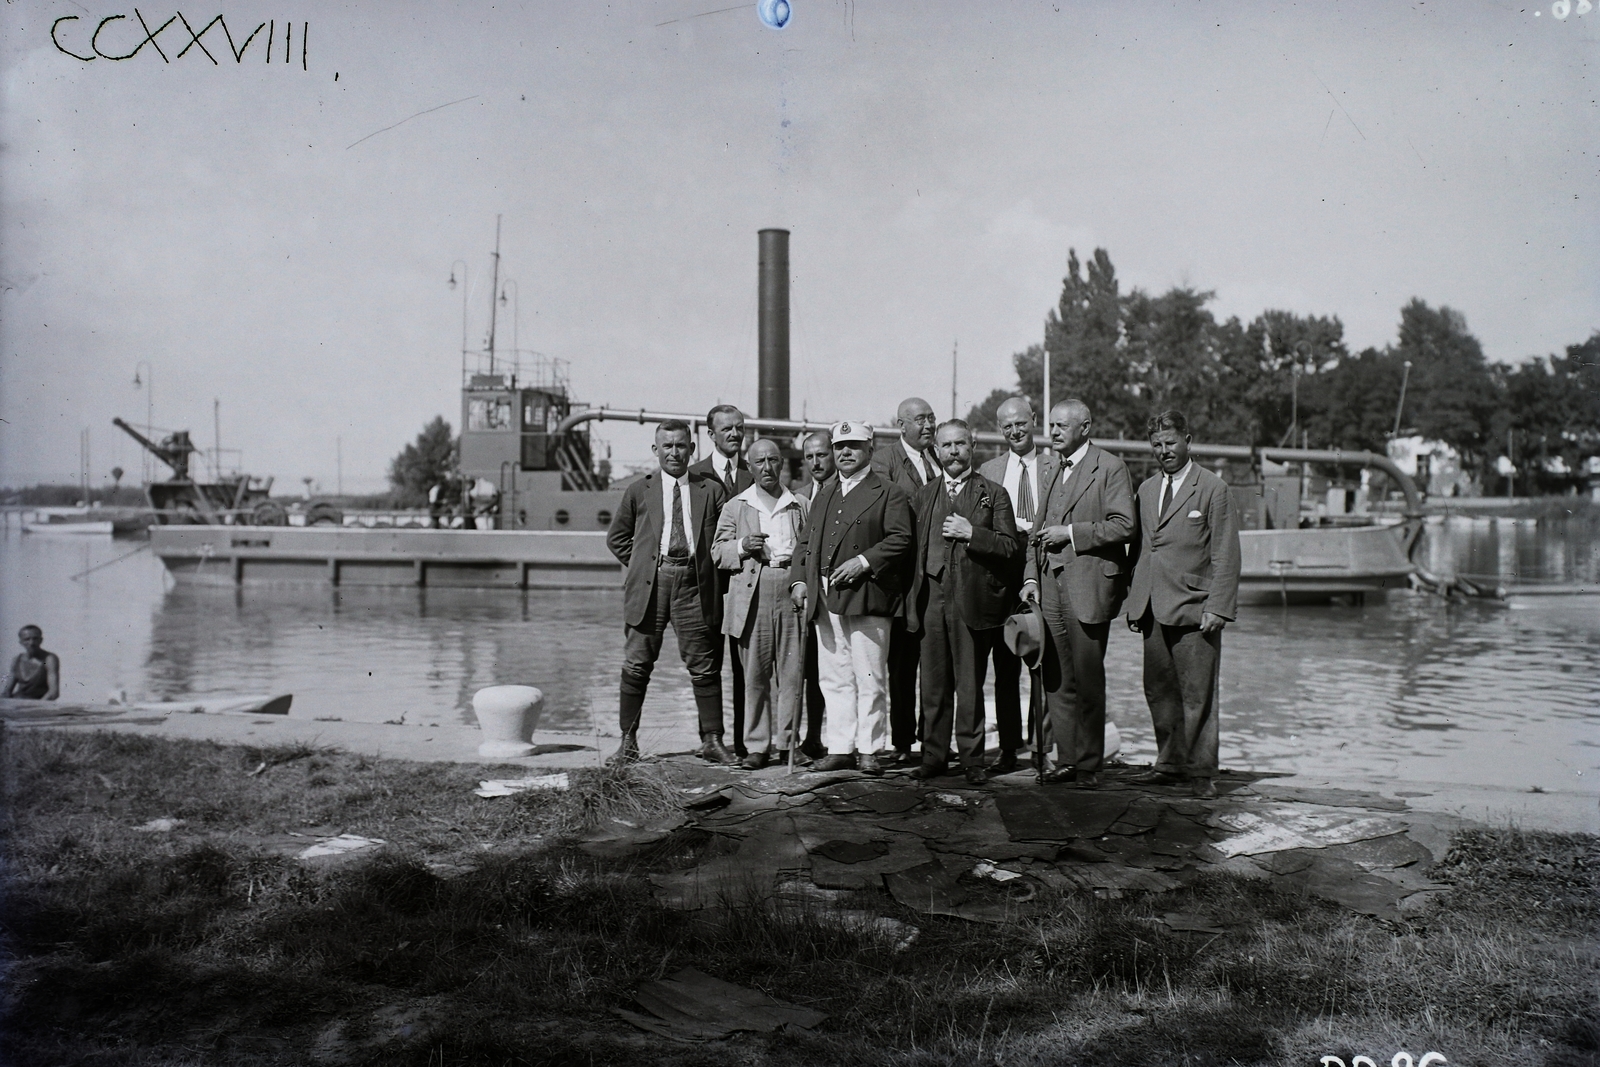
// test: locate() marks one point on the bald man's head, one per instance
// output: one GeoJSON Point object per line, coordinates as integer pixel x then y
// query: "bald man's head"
{"type": "Point", "coordinates": [916, 422]}
{"type": "Point", "coordinates": [1015, 419]}
{"type": "Point", "coordinates": [1069, 426]}
{"type": "Point", "coordinates": [766, 462]}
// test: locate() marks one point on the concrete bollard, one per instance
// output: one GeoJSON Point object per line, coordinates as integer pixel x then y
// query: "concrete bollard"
{"type": "Point", "coordinates": [1113, 739]}
{"type": "Point", "coordinates": [507, 715]}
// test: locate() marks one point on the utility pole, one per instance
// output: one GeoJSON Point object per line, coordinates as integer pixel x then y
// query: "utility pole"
{"type": "Point", "coordinates": [1046, 417]}
{"type": "Point", "coordinates": [216, 437]}
{"type": "Point", "coordinates": [338, 462]}
{"type": "Point", "coordinates": [955, 349]}
{"type": "Point", "coordinates": [1405, 377]}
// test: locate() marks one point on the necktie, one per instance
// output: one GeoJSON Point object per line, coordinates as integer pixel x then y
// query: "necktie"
{"type": "Point", "coordinates": [927, 471]}
{"type": "Point", "coordinates": [678, 546]}
{"type": "Point", "coordinates": [728, 477]}
{"type": "Point", "coordinates": [1166, 497]}
{"type": "Point", "coordinates": [1025, 494]}
{"type": "Point", "coordinates": [955, 490]}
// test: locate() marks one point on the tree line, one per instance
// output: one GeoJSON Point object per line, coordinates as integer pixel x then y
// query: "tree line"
{"type": "Point", "coordinates": [1131, 354]}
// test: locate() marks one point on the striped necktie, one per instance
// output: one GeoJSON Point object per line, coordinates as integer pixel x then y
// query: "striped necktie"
{"type": "Point", "coordinates": [1025, 493]}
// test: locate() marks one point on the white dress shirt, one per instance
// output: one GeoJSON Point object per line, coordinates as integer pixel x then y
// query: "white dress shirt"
{"type": "Point", "coordinates": [1174, 480]}
{"type": "Point", "coordinates": [779, 517]}
{"type": "Point", "coordinates": [953, 486]}
{"type": "Point", "coordinates": [726, 468]}
{"type": "Point", "coordinates": [847, 484]}
{"type": "Point", "coordinates": [666, 513]}
{"type": "Point", "coordinates": [1016, 466]}
{"type": "Point", "coordinates": [919, 461]}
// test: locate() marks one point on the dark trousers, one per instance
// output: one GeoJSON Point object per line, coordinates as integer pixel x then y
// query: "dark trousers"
{"type": "Point", "coordinates": [1074, 680]}
{"type": "Point", "coordinates": [1007, 697]}
{"type": "Point", "coordinates": [955, 659]}
{"type": "Point", "coordinates": [814, 702]}
{"type": "Point", "coordinates": [723, 645]}
{"type": "Point", "coordinates": [1180, 684]}
{"type": "Point", "coordinates": [905, 648]}
{"type": "Point", "coordinates": [675, 600]}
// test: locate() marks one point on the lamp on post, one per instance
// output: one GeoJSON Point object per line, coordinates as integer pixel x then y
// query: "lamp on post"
{"type": "Point", "coordinates": [148, 383]}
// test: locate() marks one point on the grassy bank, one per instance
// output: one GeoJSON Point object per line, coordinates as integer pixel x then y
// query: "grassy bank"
{"type": "Point", "coordinates": [478, 935]}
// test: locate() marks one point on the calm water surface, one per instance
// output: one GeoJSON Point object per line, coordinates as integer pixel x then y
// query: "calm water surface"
{"type": "Point", "coordinates": [1413, 688]}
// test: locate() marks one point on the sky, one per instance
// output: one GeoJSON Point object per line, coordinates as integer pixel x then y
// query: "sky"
{"type": "Point", "coordinates": [270, 243]}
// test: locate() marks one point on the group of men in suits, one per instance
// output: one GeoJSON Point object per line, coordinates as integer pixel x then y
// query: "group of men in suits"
{"type": "Point", "coordinates": [902, 562]}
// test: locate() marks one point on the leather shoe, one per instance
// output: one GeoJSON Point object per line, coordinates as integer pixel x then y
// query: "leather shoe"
{"type": "Point", "coordinates": [867, 763]}
{"type": "Point", "coordinates": [754, 761]}
{"type": "Point", "coordinates": [713, 750]}
{"type": "Point", "coordinates": [835, 763]}
{"type": "Point", "coordinates": [627, 752]}
{"type": "Point", "coordinates": [1205, 788]}
{"type": "Point", "coordinates": [928, 770]}
{"type": "Point", "coordinates": [1005, 764]}
{"type": "Point", "coordinates": [901, 757]}
{"type": "Point", "coordinates": [1057, 776]}
{"type": "Point", "coordinates": [977, 776]}
{"type": "Point", "coordinates": [1155, 777]}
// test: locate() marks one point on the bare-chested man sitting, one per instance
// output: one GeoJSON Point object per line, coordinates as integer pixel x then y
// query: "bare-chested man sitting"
{"type": "Point", "coordinates": [35, 674]}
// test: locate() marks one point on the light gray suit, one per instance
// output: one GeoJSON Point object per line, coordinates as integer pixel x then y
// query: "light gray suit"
{"type": "Point", "coordinates": [1186, 564]}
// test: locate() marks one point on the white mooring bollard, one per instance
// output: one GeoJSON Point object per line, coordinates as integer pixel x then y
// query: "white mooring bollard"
{"type": "Point", "coordinates": [507, 715]}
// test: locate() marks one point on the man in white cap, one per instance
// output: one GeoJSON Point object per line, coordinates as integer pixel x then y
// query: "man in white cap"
{"type": "Point", "coordinates": [851, 573]}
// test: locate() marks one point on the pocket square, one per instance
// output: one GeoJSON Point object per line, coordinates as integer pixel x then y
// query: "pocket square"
{"type": "Point", "coordinates": [1194, 514]}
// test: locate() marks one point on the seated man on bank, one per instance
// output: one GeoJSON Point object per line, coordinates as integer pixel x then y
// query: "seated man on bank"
{"type": "Point", "coordinates": [35, 673]}
{"type": "Point", "coordinates": [756, 538]}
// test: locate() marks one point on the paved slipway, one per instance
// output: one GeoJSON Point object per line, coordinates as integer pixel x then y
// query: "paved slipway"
{"type": "Point", "coordinates": [942, 847]}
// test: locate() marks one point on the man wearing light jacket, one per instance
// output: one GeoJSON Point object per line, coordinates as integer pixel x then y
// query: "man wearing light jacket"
{"type": "Point", "coordinates": [755, 540]}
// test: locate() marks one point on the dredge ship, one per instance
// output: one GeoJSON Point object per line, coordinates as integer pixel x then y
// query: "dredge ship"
{"type": "Point", "coordinates": [523, 434]}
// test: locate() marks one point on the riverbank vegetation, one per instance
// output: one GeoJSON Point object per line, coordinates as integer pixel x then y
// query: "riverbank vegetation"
{"type": "Point", "coordinates": [1284, 378]}
{"type": "Point", "coordinates": [477, 934]}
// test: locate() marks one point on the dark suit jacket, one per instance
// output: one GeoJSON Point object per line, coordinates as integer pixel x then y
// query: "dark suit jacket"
{"type": "Point", "coordinates": [874, 521]}
{"type": "Point", "coordinates": [635, 539]}
{"type": "Point", "coordinates": [1186, 562]}
{"type": "Point", "coordinates": [984, 575]}
{"type": "Point", "coordinates": [892, 464]}
{"type": "Point", "coordinates": [742, 477]}
{"type": "Point", "coordinates": [1095, 498]}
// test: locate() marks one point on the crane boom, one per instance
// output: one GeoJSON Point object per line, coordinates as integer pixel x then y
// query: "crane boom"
{"type": "Point", "coordinates": [174, 451]}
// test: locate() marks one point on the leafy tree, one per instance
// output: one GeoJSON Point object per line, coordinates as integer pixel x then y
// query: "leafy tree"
{"type": "Point", "coordinates": [1453, 394]}
{"type": "Point", "coordinates": [423, 463]}
{"type": "Point", "coordinates": [1082, 337]}
{"type": "Point", "coordinates": [1552, 411]}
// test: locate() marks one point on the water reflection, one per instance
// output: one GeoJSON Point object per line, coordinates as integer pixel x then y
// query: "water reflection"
{"type": "Point", "coordinates": [1412, 688]}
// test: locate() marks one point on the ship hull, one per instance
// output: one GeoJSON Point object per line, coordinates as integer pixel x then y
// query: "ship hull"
{"type": "Point", "coordinates": [1318, 564]}
{"type": "Point", "coordinates": [350, 556]}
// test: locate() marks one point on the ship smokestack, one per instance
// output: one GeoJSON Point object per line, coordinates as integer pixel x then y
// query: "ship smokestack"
{"type": "Point", "coordinates": [773, 329]}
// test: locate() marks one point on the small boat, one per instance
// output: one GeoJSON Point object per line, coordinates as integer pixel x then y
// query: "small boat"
{"type": "Point", "coordinates": [72, 713]}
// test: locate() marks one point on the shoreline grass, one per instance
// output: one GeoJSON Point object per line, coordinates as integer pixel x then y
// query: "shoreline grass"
{"type": "Point", "coordinates": [479, 935]}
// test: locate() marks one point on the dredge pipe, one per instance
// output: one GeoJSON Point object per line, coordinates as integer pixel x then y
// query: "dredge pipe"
{"type": "Point", "coordinates": [1244, 453]}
